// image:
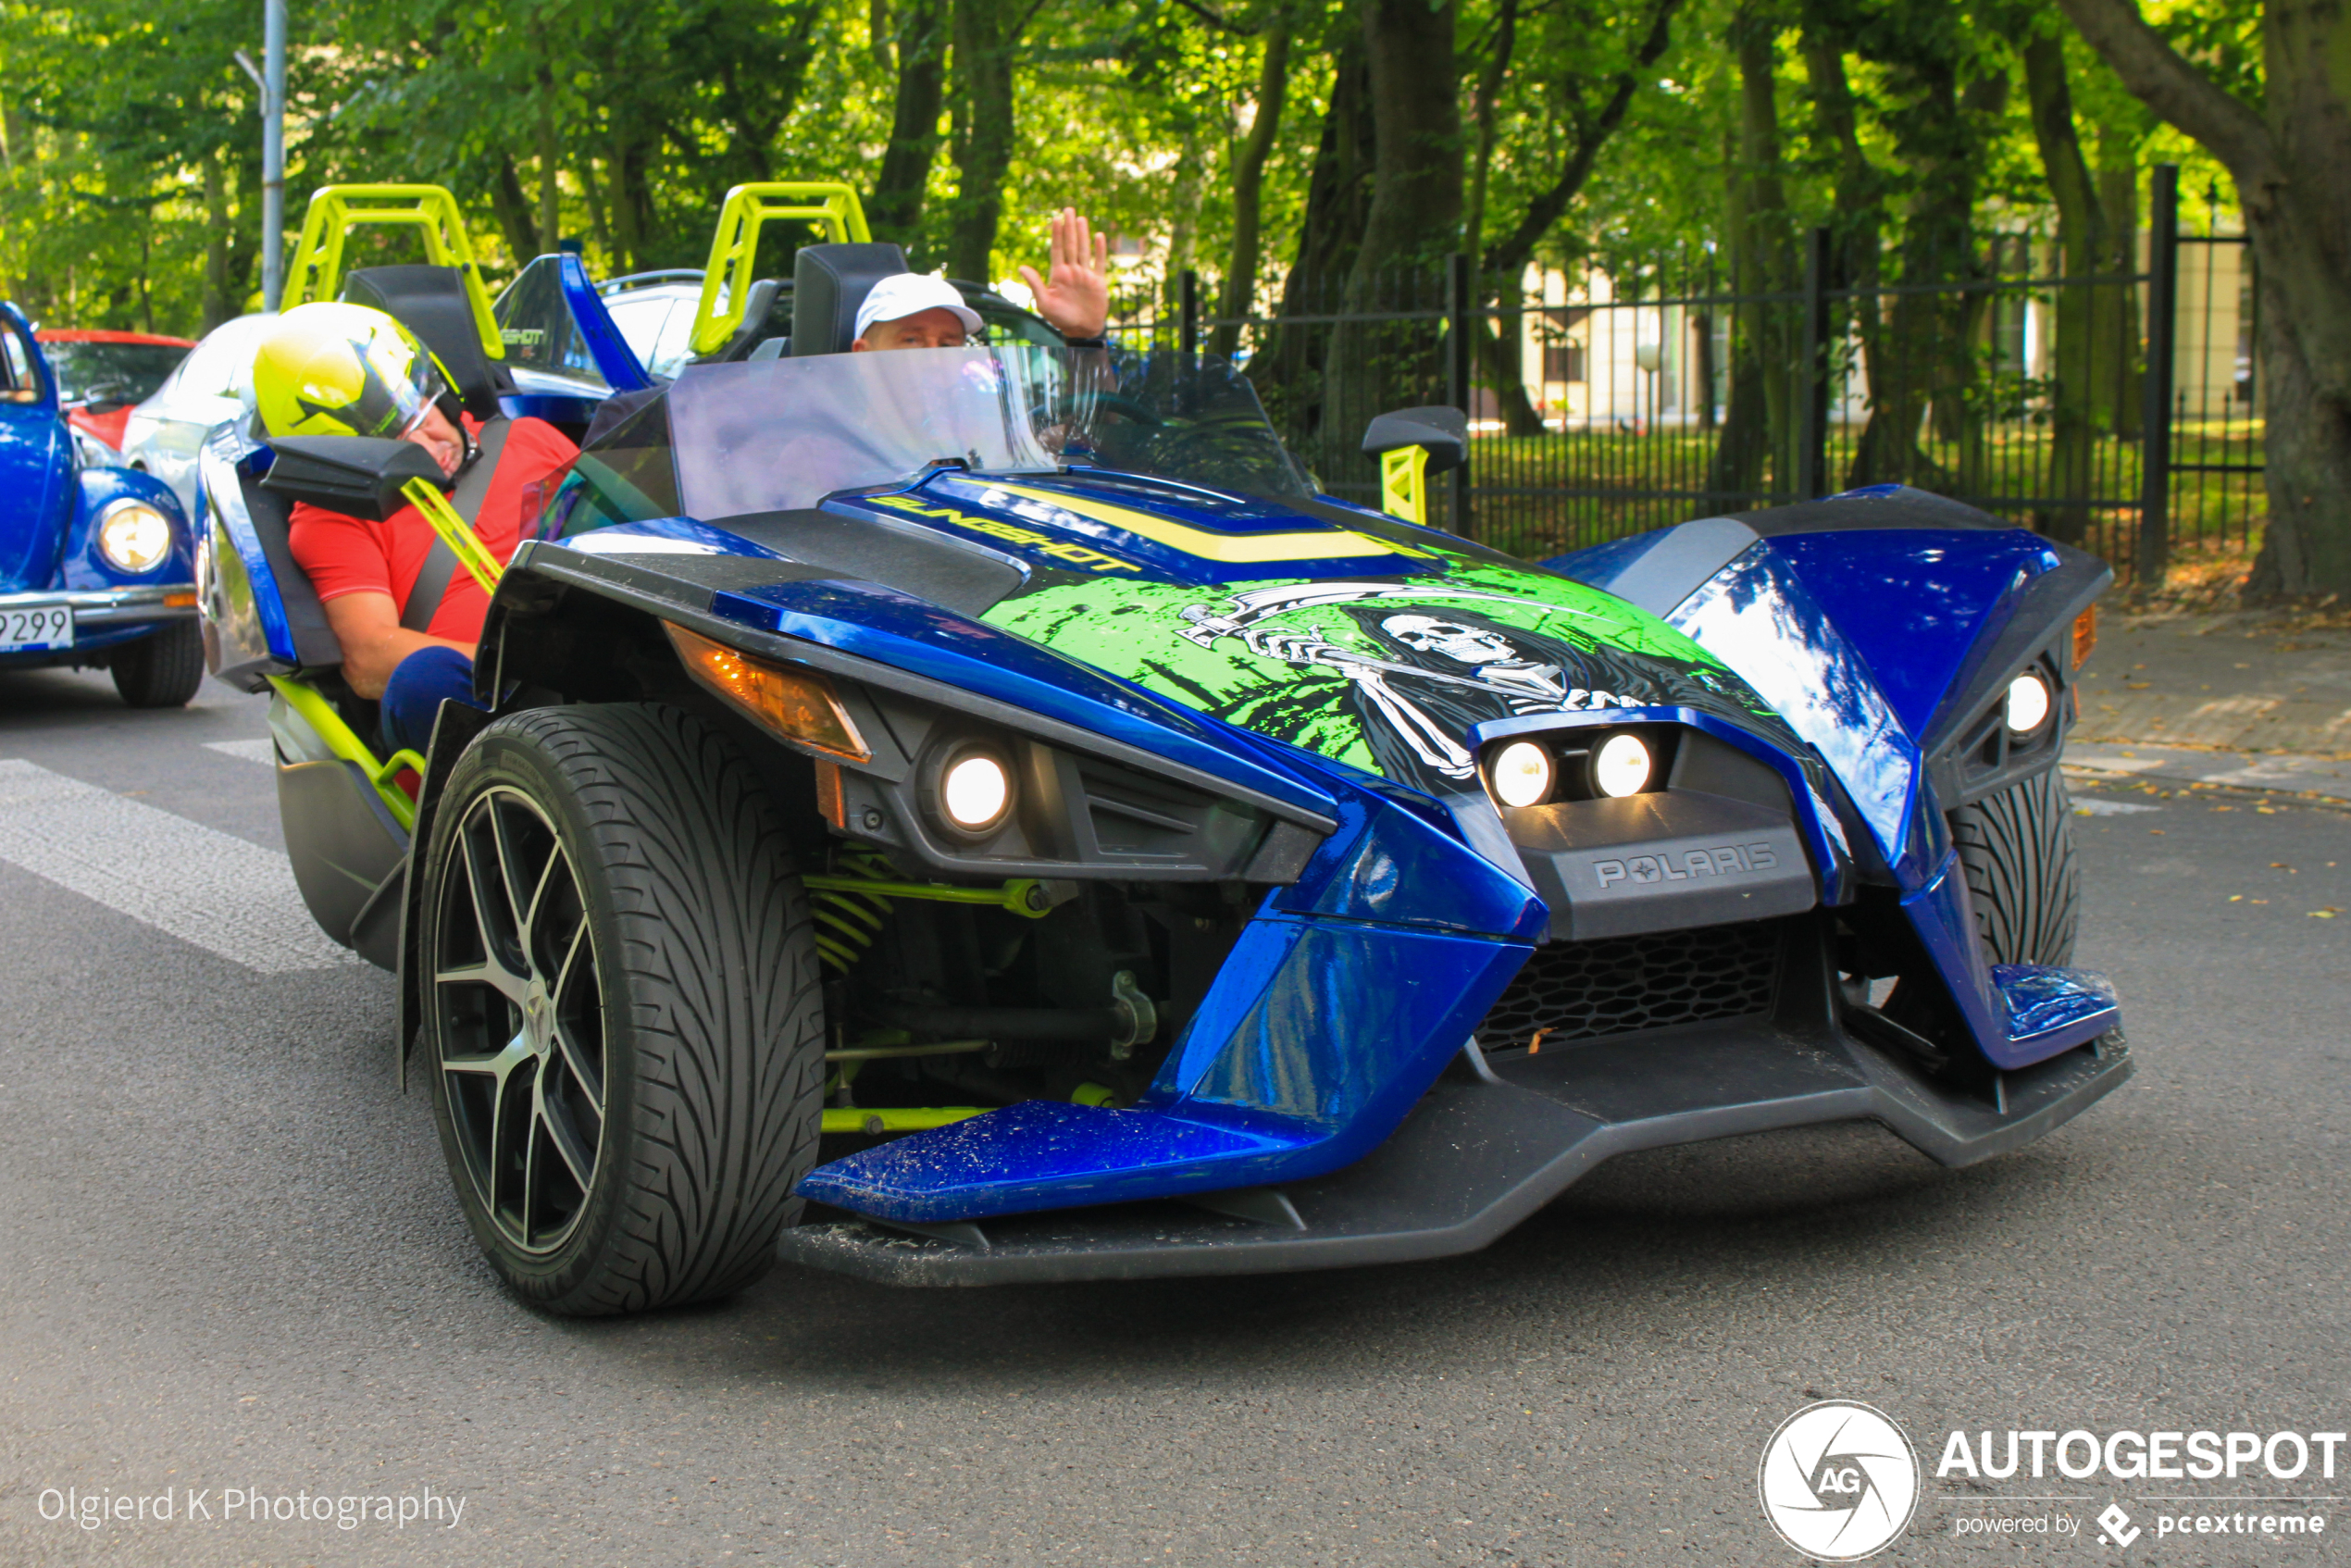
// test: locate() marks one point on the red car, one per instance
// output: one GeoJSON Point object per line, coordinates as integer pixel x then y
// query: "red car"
{"type": "Point", "coordinates": [100, 375]}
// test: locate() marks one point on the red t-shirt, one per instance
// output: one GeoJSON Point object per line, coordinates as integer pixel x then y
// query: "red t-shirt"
{"type": "Point", "coordinates": [346, 555]}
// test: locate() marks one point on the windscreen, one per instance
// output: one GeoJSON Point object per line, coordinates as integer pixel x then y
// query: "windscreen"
{"type": "Point", "coordinates": [782, 435]}
{"type": "Point", "coordinates": [112, 372]}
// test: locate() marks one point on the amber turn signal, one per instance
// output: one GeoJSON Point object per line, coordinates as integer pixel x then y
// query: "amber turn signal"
{"type": "Point", "coordinates": [798, 705]}
{"type": "Point", "coordinates": [2086, 635]}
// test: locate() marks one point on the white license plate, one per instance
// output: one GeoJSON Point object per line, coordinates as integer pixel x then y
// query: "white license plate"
{"type": "Point", "coordinates": [50, 628]}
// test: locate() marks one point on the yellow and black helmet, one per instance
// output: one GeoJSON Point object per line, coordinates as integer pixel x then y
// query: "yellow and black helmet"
{"type": "Point", "coordinates": [335, 369]}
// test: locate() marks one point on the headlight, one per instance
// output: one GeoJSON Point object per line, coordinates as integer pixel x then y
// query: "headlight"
{"type": "Point", "coordinates": [2028, 703]}
{"type": "Point", "coordinates": [134, 537]}
{"type": "Point", "coordinates": [1521, 774]}
{"type": "Point", "coordinates": [1621, 767]}
{"type": "Point", "coordinates": [971, 790]}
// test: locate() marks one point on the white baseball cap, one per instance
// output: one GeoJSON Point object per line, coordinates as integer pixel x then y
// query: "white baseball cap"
{"type": "Point", "coordinates": [910, 294]}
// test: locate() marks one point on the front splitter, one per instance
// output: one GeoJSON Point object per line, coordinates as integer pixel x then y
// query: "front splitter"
{"type": "Point", "coordinates": [1479, 1154]}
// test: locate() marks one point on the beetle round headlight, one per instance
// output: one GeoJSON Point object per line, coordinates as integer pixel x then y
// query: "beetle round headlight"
{"type": "Point", "coordinates": [975, 790]}
{"type": "Point", "coordinates": [134, 537]}
{"type": "Point", "coordinates": [1521, 774]}
{"type": "Point", "coordinates": [2028, 704]}
{"type": "Point", "coordinates": [1621, 767]}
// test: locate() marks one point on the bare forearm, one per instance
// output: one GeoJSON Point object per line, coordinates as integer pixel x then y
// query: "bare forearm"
{"type": "Point", "coordinates": [367, 665]}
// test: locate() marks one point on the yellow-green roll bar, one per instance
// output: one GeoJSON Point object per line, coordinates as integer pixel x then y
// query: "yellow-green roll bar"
{"type": "Point", "coordinates": [335, 210]}
{"type": "Point", "coordinates": [320, 715]}
{"type": "Point", "coordinates": [735, 247]}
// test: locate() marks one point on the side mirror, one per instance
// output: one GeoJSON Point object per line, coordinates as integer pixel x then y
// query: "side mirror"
{"type": "Point", "coordinates": [1440, 431]}
{"type": "Point", "coordinates": [1410, 444]}
{"type": "Point", "coordinates": [359, 476]}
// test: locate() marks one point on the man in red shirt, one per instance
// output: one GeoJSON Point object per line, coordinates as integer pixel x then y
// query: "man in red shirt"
{"type": "Point", "coordinates": [366, 571]}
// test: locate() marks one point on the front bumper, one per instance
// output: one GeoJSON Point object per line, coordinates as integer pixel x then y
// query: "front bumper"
{"type": "Point", "coordinates": [1480, 1153]}
{"type": "Point", "coordinates": [108, 608]}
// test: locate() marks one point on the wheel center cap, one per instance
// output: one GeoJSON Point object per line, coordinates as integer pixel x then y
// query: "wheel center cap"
{"type": "Point", "coordinates": [539, 1020]}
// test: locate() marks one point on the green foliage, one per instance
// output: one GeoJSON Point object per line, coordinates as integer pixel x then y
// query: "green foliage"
{"type": "Point", "coordinates": [130, 193]}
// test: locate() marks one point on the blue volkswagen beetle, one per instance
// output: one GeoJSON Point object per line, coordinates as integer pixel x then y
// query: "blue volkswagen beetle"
{"type": "Point", "coordinates": [97, 567]}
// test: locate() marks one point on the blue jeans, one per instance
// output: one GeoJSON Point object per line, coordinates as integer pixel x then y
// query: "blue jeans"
{"type": "Point", "coordinates": [412, 698]}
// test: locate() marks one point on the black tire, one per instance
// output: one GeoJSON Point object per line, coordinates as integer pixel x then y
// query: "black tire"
{"type": "Point", "coordinates": [685, 1072]}
{"type": "Point", "coordinates": [2017, 848]}
{"type": "Point", "coordinates": [160, 671]}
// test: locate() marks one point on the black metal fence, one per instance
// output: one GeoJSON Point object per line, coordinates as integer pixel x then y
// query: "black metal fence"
{"type": "Point", "coordinates": [2115, 410]}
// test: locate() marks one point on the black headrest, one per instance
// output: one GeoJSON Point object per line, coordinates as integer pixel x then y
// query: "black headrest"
{"type": "Point", "coordinates": [431, 302]}
{"type": "Point", "coordinates": [829, 283]}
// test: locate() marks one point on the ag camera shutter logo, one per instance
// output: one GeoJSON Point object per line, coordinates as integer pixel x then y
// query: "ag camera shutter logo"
{"type": "Point", "coordinates": [1839, 1481]}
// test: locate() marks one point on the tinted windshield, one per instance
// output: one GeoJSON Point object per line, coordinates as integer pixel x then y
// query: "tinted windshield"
{"type": "Point", "coordinates": [777, 435]}
{"type": "Point", "coordinates": [112, 372]}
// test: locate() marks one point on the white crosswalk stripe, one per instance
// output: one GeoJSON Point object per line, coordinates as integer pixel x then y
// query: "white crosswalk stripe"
{"type": "Point", "coordinates": [203, 886]}
{"type": "Point", "coordinates": [260, 750]}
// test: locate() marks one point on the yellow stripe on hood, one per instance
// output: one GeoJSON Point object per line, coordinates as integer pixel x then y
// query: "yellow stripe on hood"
{"type": "Point", "coordinates": [1233, 549]}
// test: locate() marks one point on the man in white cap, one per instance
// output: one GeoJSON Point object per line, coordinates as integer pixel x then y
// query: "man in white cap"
{"type": "Point", "coordinates": [914, 310]}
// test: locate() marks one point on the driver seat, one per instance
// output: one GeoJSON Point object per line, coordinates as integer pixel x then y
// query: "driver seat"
{"type": "Point", "coordinates": [431, 302]}
{"type": "Point", "coordinates": [829, 283]}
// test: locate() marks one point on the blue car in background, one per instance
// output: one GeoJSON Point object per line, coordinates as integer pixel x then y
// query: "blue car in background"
{"type": "Point", "coordinates": [97, 565]}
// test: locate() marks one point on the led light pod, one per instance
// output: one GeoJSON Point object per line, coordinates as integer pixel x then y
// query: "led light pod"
{"type": "Point", "coordinates": [1623, 765]}
{"type": "Point", "coordinates": [2028, 703]}
{"type": "Point", "coordinates": [975, 791]}
{"type": "Point", "coordinates": [1521, 774]}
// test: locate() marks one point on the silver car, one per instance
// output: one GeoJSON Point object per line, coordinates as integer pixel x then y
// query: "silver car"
{"type": "Point", "coordinates": [656, 313]}
{"type": "Point", "coordinates": [165, 433]}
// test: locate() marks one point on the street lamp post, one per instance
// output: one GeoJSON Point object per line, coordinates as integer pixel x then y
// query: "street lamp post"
{"type": "Point", "coordinates": [273, 155]}
{"type": "Point", "coordinates": [271, 79]}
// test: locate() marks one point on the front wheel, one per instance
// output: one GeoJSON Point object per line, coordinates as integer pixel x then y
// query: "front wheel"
{"type": "Point", "coordinates": [2016, 846]}
{"type": "Point", "coordinates": [622, 1010]}
{"type": "Point", "coordinates": [161, 670]}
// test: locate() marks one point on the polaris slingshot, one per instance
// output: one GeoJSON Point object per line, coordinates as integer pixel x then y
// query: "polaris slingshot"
{"type": "Point", "coordinates": [972, 815]}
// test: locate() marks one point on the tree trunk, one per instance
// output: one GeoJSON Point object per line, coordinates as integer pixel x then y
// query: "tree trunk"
{"type": "Point", "coordinates": [2073, 426]}
{"type": "Point", "coordinates": [1287, 372]}
{"type": "Point", "coordinates": [2115, 395]}
{"type": "Point", "coordinates": [1760, 421]}
{"type": "Point", "coordinates": [1855, 256]}
{"type": "Point", "coordinates": [986, 31]}
{"type": "Point", "coordinates": [218, 303]}
{"type": "Point", "coordinates": [1414, 213]}
{"type": "Point", "coordinates": [1248, 187]}
{"type": "Point", "coordinates": [512, 209]}
{"type": "Point", "coordinates": [1926, 335]}
{"type": "Point", "coordinates": [2291, 160]}
{"type": "Point", "coordinates": [896, 210]}
{"type": "Point", "coordinates": [551, 222]}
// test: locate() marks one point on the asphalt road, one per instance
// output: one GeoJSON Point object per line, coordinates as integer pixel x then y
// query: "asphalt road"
{"type": "Point", "coordinates": [229, 1261]}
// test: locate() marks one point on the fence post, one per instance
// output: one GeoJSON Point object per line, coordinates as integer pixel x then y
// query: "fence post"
{"type": "Point", "coordinates": [1458, 383]}
{"type": "Point", "coordinates": [1188, 329]}
{"type": "Point", "coordinates": [1812, 377]}
{"type": "Point", "coordinates": [2154, 553]}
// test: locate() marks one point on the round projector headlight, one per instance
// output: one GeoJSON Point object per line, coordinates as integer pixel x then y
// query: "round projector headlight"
{"type": "Point", "coordinates": [975, 790]}
{"type": "Point", "coordinates": [1521, 774]}
{"type": "Point", "coordinates": [2028, 703]}
{"type": "Point", "coordinates": [1621, 767]}
{"type": "Point", "coordinates": [134, 537]}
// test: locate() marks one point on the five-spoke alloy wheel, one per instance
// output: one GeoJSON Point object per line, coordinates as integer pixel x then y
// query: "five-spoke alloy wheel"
{"type": "Point", "coordinates": [623, 1021]}
{"type": "Point", "coordinates": [522, 1041]}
